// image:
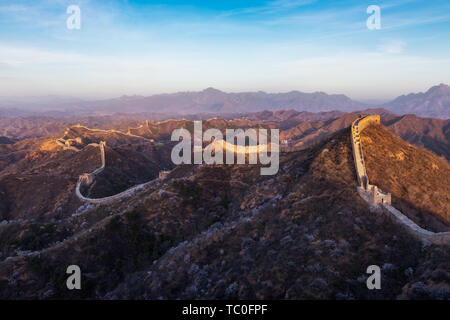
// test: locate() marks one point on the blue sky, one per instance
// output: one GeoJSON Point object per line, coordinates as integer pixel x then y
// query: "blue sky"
{"type": "Point", "coordinates": [147, 47]}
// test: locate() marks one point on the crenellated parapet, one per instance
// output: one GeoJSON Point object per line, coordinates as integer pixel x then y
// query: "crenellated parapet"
{"type": "Point", "coordinates": [370, 193]}
{"type": "Point", "coordinates": [357, 127]}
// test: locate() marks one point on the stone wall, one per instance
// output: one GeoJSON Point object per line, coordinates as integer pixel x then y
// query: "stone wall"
{"type": "Point", "coordinates": [108, 131]}
{"type": "Point", "coordinates": [66, 144]}
{"type": "Point", "coordinates": [125, 193]}
{"type": "Point", "coordinates": [368, 120]}
{"type": "Point", "coordinates": [397, 216]}
{"type": "Point", "coordinates": [357, 127]}
{"type": "Point", "coordinates": [102, 157]}
{"type": "Point", "coordinates": [375, 196]}
{"type": "Point", "coordinates": [88, 178]}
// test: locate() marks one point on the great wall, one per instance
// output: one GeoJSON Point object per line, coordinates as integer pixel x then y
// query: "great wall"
{"type": "Point", "coordinates": [370, 193]}
{"type": "Point", "coordinates": [376, 197]}
{"type": "Point", "coordinates": [87, 179]}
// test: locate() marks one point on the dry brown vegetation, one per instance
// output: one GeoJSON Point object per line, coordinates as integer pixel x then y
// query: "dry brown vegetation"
{"type": "Point", "coordinates": [418, 179]}
{"type": "Point", "coordinates": [226, 232]}
{"type": "Point", "coordinates": [218, 231]}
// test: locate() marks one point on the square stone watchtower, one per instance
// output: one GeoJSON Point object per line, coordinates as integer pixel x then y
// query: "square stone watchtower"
{"type": "Point", "coordinates": [377, 196]}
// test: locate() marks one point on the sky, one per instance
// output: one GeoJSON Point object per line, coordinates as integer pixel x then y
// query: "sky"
{"type": "Point", "coordinates": [150, 47]}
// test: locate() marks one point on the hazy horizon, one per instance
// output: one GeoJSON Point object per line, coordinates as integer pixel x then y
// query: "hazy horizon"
{"type": "Point", "coordinates": [40, 98]}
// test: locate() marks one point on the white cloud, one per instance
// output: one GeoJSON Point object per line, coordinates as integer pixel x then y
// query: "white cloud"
{"type": "Point", "coordinates": [392, 47]}
{"type": "Point", "coordinates": [12, 8]}
{"type": "Point", "coordinates": [21, 56]}
{"type": "Point", "coordinates": [270, 7]}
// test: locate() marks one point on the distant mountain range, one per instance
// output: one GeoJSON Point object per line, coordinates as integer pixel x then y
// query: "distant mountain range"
{"type": "Point", "coordinates": [433, 103]}
{"type": "Point", "coordinates": [215, 101]}
{"type": "Point", "coordinates": [299, 128]}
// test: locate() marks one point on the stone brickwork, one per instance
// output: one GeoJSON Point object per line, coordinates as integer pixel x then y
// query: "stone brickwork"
{"type": "Point", "coordinates": [375, 195]}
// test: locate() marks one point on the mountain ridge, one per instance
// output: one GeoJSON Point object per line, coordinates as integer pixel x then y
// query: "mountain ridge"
{"type": "Point", "coordinates": [435, 102]}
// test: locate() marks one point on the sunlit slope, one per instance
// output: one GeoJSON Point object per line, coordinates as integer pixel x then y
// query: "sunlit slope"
{"type": "Point", "coordinates": [418, 179]}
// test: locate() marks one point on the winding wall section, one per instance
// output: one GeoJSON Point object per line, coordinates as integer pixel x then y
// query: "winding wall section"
{"type": "Point", "coordinates": [374, 196]}
{"type": "Point", "coordinates": [88, 178]}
